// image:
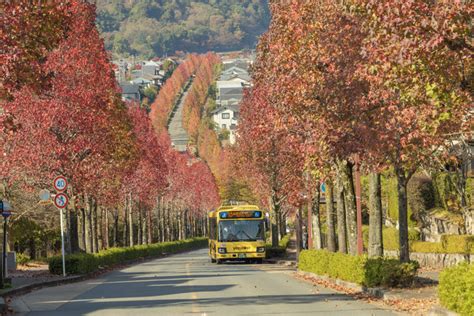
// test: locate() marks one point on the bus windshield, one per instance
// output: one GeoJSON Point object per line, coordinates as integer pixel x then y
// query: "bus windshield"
{"type": "Point", "coordinates": [241, 230]}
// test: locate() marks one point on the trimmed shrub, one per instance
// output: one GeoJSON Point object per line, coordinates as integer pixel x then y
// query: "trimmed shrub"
{"type": "Point", "coordinates": [456, 289]}
{"type": "Point", "coordinates": [280, 251]}
{"type": "Point", "coordinates": [426, 246]}
{"type": "Point", "coordinates": [457, 243]}
{"type": "Point", "coordinates": [391, 237]}
{"type": "Point", "coordinates": [83, 263]}
{"type": "Point", "coordinates": [358, 269]}
{"type": "Point", "coordinates": [22, 258]}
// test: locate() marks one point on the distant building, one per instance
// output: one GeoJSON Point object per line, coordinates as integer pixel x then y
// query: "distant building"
{"type": "Point", "coordinates": [239, 63]}
{"type": "Point", "coordinates": [151, 68]}
{"type": "Point", "coordinates": [130, 92]}
{"type": "Point", "coordinates": [141, 82]}
{"type": "Point", "coordinates": [226, 117]}
{"type": "Point", "coordinates": [228, 90]}
{"type": "Point", "coordinates": [233, 79]}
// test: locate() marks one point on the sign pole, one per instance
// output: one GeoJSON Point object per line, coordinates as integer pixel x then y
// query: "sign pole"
{"type": "Point", "coordinates": [61, 200]}
{"type": "Point", "coordinates": [62, 242]}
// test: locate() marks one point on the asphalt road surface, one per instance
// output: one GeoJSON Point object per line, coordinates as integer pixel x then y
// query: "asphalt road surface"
{"type": "Point", "coordinates": [188, 284]}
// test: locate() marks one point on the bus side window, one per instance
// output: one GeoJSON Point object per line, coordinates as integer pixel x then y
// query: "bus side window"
{"type": "Point", "coordinates": [212, 229]}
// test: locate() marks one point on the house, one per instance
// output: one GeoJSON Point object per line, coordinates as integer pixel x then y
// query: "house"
{"type": "Point", "coordinates": [130, 92]}
{"type": "Point", "coordinates": [228, 90]}
{"type": "Point", "coordinates": [226, 117]}
{"type": "Point", "coordinates": [234, 71]}
{"type": "Point", "coordinates": [141, 82]}
{"type": "Point", "coordinates": [239, 63]}
{"type": "Point", "coordinates": [151, 68]}
{"type": "Point", "coordinates": [244, 78]}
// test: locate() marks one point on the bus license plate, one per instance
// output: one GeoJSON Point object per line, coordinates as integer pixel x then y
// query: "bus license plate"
{"type": "Point", "coordinates": [242, 255]}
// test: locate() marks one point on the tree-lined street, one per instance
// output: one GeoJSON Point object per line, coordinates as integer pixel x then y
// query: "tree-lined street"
{"type": "Point", "coordinates": [189, 284]}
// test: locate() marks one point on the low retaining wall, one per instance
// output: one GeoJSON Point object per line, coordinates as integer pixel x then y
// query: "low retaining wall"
{"type": "Point", "coordinates": [435, 260]}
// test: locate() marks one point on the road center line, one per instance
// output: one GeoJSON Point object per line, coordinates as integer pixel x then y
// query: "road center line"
{"type": "Point", "coordinates": [194, 296]}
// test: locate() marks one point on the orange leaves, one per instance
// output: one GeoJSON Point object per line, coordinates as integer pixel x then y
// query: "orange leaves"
{"type": "Point", "coordinates": [169, 93]}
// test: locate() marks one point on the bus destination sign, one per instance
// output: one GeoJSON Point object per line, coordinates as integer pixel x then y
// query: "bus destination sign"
{"type": "Point", "coordinates": [240, 214]}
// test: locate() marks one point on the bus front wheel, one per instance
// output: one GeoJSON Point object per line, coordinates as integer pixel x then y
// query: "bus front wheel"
{"type": "Point", "coordinates": [213, 260]}
{"type": "Point", "coordinates": [218, 261]}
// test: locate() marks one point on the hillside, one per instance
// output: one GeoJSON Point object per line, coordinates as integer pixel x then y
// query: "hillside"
{"type": "Point", "coordinates": [155, 27]}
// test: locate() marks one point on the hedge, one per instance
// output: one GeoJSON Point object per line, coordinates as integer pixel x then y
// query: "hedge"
{"type": "Point", "coordinates": [358, 269]}
{"type": "Point", "coordinates": [456, 289]}
{"type": "Point", "coordinates": [83, 263]}
{"type": "Point", "coordinates": [458, 243]}
{"type": "Point", "coordinates": [390, 237]}
{"type": "Point", "coordinates": [462, 244]}
{"type": "Point", "coordinates": [280, 251]}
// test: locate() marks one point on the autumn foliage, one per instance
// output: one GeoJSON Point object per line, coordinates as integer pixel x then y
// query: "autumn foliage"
{"type": "Point", "coordinates": [61, 114]}
{"type": "Point", "coordinates": [388, 81]}
{"type": "Point", "coordinates": [169, 93]}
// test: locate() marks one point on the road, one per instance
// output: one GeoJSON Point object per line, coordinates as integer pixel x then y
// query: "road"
{"type": "Point", "coordinates": [187, 284]}
{"type": "Point", "coordinates": [179, 136]}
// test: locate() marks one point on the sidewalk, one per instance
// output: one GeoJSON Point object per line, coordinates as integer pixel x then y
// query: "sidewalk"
{"type": "Point", "coordinates": [27, 278]}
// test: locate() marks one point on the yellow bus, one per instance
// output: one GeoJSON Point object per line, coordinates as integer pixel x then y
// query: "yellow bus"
{"type": "Point", "coordinates": [237, 232]}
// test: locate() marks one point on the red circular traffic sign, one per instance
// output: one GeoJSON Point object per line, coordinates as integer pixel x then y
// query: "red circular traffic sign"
{"type": "Point", "coordinates": [60, 183]}
{"type": "Point", "coordinates": [61, 200]}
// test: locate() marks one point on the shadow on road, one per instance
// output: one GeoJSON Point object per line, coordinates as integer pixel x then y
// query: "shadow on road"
{"type": "Point", "coordinates": [85, 305]}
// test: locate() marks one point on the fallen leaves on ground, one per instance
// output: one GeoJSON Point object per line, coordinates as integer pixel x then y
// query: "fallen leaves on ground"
{"type": "Point", "coordinates": [415, 307]}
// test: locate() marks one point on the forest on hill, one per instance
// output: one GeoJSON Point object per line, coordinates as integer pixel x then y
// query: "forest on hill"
{"type": "Point", "coordinates": [156, 27]}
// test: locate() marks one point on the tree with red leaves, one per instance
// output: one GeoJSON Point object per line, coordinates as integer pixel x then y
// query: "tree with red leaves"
{"type": "Point", "coordinates": [419, 60]}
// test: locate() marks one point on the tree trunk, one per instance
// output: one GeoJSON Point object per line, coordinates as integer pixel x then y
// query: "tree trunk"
{"type": "Point", "coordinates": [341, 215]}
{"type": "Point", "coordinates": [350, 204]}
{"type": "Point", "coordinates": [97, 225]}
{"type": "Point", "coordinates": [375, 219]}
{"type": "Point", "coordinates": [88, 225]}
{"type": "Point", "coordinates": [116, 228]}
{"type": "Point", "coordinates": [149, 224]}
{"type": "Point", "coordinates": [130, 221]}
{"type": "Point", "coordinates": [299, 231]}
{"type": "Point", "coordinates": [168, 222]}
{"type": "Point", "coordinates": [84, 227]}
{"type": "Point", "coordinates": [275, 210]}
{"type": "Point", "coordinates": [402, 181]}
{"type": "Point", "coordinates": [67, 231]}
{"type": "Point", "coordinates": [161, 220]}
{"type": "Point", "coordinates": [106, 238]}
{"type": "Point", "coordinates": [331, 234]}
{"type": "Point", "coordinates": [92, 226]}
{"type": "Point", "coordinates": [143, 224]}
{"type": "Point", "coordinates": [74, 231]}
{"type": "Point", "coordinates": [125, 224]}
{"type": "Point", "coordinates": [140, 224]}
{"type": "Point", "coordinates": [315, 208]}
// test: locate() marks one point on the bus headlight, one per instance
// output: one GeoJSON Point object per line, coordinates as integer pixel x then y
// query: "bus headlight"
{"type": "Point", "coordinates": [260, 249]}
{"type": "Point", "coordinates": [222, 250]}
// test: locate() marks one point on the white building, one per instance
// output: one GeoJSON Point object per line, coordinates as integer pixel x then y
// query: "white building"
{"type": "Point", "coordinates": [226, 117]}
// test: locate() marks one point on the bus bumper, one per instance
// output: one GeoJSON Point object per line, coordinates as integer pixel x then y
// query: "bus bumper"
{"type": "Point", "coordinates": [240, 255]}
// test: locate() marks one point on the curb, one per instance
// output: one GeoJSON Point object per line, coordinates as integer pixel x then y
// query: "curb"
{"type": "Point", "coordinates": [372, 291]}
{"type": "Point", "coordinates": [29, 287]}
{"type": "Point", "coordinates": [288, 263]}
{"type": "Point", "coordinates": [438, 310]}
